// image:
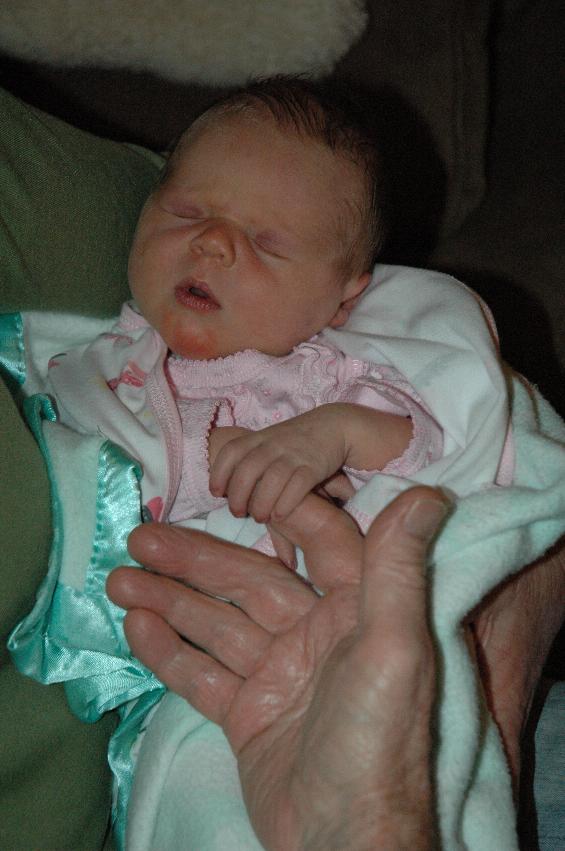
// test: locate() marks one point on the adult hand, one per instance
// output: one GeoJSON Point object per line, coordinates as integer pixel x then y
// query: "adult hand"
{"type": "Point", "coordinates": [514, 628]}
{"type": "Point", "coordinates": [326, 701]}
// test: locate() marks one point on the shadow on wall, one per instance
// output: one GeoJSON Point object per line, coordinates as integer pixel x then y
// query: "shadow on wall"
{"type": "Point", "coordinates": [118, 104]}
{"type": "Point", "coordinates": [415, 176]}
{"type": "Point", "coordinates": [525, 331]}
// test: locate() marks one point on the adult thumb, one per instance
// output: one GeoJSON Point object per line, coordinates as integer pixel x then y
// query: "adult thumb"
{"type": "Point", "coordinates": [393, 585]}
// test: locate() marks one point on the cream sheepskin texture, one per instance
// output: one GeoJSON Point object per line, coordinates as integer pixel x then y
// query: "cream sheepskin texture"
{"type": "Point", "coordinates": [205, 41]}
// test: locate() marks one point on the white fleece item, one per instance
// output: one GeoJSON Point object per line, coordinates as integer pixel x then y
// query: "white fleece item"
{"type": "Point", "coordinates": [186, 40]}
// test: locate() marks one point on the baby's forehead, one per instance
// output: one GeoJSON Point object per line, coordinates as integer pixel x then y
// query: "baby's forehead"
{"type": "Point", "coordinates": [228, 120]}
{"type": "Point", "coordinates": [342, 171]}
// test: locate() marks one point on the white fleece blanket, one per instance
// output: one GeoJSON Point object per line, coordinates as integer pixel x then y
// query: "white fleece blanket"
{"type": "Point", "coordinates": [186, 40]}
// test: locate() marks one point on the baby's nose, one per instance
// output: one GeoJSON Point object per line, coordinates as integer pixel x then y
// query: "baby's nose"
{"type": "Point", "coordinates": [215, 241]}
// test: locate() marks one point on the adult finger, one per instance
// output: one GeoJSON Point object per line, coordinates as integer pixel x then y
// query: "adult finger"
{"type": "Point", "coordinates": [220, 629]}
{"type": "Point", "coordinates": [394, 648]}
{"type": "Point", "coordinates": [266, 590]}
{"type": "Point", "coordinates": [184, 669]}
{"type": "Point", "coordinates": [330, 540]}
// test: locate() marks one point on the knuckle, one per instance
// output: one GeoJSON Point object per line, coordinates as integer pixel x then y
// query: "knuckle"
{"type": "Point", "coordinates": [405, 572]}
{"type": "Point", "coordinates": [278, 469]}
{"type": "Point", "coordinates": [258, 456]}
{"type": "Point", "coordinates": [304, 474]}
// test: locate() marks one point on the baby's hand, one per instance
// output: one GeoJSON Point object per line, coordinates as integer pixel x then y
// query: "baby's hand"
{"type": "Point", "coordinates": [219, 437]}
{"type": "Point", "coordinates": [268, 473]}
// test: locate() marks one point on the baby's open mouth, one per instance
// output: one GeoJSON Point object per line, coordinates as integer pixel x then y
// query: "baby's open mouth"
{"type": "Point", "coordinates": [196, 296]}
{"type": "Point", "coordinates": [197, 291]}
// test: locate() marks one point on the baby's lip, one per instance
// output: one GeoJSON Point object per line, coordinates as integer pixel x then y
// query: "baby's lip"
{"type": "Point", "coordinates": [196, 294]}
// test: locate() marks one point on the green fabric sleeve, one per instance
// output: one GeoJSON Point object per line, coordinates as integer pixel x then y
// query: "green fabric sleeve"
{"type": "Point", "coordinates": [68, 207]}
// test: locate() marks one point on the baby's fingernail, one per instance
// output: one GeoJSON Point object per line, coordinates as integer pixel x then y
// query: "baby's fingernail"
{"type": "Point", "coordinates": [424, 518]}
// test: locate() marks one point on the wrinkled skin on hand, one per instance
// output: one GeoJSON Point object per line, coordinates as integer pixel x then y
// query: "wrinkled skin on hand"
{"type": "Point", "coordinates": [326, 702]}
{"type": "Point", "coordinates": [514, 629]}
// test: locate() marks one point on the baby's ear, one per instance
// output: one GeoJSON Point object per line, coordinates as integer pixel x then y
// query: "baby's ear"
{"type": "Point", "coordinates": [352, 293]}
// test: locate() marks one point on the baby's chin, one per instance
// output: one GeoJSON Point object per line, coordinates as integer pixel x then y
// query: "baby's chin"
{"type": "Point", "coordinates": [208, 343]}
{"type": "Point", "coordinates": [203, 348]}
{"type": "Point", "coordinates": [187, 340]}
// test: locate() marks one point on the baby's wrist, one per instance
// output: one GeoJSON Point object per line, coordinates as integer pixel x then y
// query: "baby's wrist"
{"type": "Point", "coordinates": [372, 438]}
{"type": "Point", "coordinates": [351, 422]}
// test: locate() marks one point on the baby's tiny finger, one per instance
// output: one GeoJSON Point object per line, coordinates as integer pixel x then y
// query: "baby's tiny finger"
{"type": "Point", "coordinates": [244, 479]}
{"type": "Point", "coordinates": [268, 489]}
{"type": "Point", "coordinates": [221, 471]}
{"type": "Point", "coordinates": [298, 486]}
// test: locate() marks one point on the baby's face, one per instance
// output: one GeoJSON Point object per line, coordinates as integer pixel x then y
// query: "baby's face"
{"type": "Point", "coordinates": [240, 247]}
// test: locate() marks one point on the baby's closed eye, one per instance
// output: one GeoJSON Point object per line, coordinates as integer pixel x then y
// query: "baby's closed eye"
{"type": "Point", "coordinates": [271, 243]}
{"type": "Point", "coordinates": [182, 208]}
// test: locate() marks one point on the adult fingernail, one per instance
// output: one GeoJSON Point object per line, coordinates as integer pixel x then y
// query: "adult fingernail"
{"type": "Point", "coordinates": [424, 518]}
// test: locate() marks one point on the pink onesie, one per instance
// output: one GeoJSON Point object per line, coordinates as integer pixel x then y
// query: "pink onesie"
{"type": "Point", "coordinates": [254, 390]}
